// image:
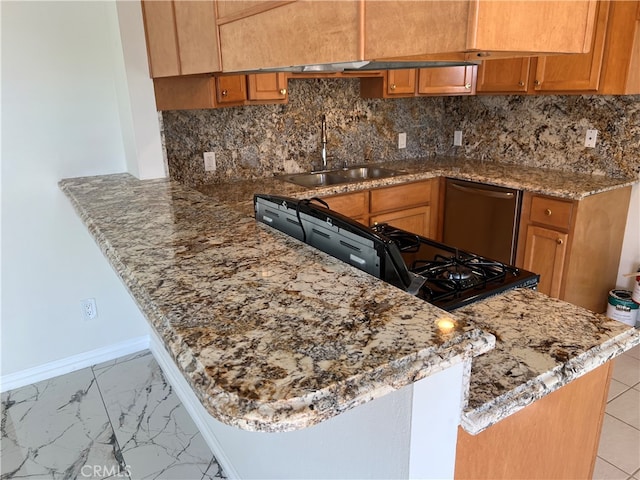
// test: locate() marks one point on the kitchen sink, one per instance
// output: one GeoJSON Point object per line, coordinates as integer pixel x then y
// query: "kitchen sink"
{"type": "Point", "coordinates": [334, 177]}
{"type": "Point", "coordinates": [318, 179]}
{"type": "Point", "coordinates": [364, 173]}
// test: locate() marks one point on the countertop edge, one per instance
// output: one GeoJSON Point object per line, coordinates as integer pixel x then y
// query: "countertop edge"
{"type": "Point", "coordinates": [479, 419]}
{"type": "Point", "coordinates": [424, 363]}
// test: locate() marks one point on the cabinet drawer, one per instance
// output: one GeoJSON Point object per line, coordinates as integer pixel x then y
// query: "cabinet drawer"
{"type": "Point", "coordinates": [401, 196]}
{"type": "Point", "coordinates": [551, 212]}
{"type": "Point", "coordinates": [352, 205]}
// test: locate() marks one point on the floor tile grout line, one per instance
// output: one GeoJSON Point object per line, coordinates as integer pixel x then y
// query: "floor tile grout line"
{"type": "Point", "coordinates": [615, 466]}
{"type": "Point", "coordinates": [115, 437]}
{"type": "Point", "coordinates": [622, 421]}
{"type": "Point", "coordinates": [619, 394]}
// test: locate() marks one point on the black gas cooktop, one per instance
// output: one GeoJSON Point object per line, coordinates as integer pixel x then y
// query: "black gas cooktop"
{"type": "Point", "coordinates": [453, 277]}
{"type": "Point", "coordinates": [437, 273]}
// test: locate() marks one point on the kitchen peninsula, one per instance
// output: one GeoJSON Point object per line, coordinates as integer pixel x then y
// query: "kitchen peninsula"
{"type": "Point", "coordinates": [273, 336]}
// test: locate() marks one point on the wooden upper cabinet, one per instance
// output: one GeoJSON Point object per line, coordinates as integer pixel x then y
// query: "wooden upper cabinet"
{"type": "Point", "coordinates": [185, 92]}
{"type": "Point", "coordinates": [231, 89]}
{"type": "Point", "coordinates": [425, 81]}
{"type": "Point", "coordinates": [621, 67]}
{"type": "Point", "coordinates": [409, 28]}
{"type": "Point", "coordinates": [162, 41]}
{"type": "Point", "coordinates": [271, 34]}
{"type": "Point", "coordinates": [508, 75]}
{"type": "Point", "coordinates": [447, 81]}
{"type": "Point", "coordinates": [401, 82]}
{"type": "Point", "coordinates": [267, 86]}
{"type": "Point", "coordinates": [575, 72]}
{"type": "Point", "coordinates": [181, 37]}
{"type": "Point", "coordinates": [612, 66]}
{"type": "Point", "coordinates": [268, 34]}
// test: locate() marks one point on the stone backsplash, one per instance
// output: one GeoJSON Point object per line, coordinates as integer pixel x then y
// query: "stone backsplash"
{"type": "Point", "coordinates": [544, 131]}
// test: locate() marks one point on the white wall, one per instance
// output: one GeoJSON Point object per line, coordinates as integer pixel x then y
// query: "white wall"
{"type": "Point", "coordinates": [60, 118]}
{"type": "Point", "coordinates": [630, 256]}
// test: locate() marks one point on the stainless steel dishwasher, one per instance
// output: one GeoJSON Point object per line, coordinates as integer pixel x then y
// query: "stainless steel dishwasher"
{"type": "Point", "coordinates": [482, 219]}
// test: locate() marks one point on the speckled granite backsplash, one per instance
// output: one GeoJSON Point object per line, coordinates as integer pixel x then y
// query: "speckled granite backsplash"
{"type": "Point", "coordinates": [544, 131]}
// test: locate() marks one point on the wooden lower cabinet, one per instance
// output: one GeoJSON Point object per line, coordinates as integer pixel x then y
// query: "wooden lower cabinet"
{"type": "Point", "coordinates": [545, 252]}
{"type": "Point", "coordinates": [353, 205]}
{"type": "Point", "coordinates": [574, 245]}
{"type": "Point", "coordinates": [416, 220]}
{"type": "Point", "coordinates": [555, 437]}
{"type": "Point", "coordinates": [411, 206]}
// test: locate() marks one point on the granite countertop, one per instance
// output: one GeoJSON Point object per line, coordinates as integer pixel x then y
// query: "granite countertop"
{"type": "Point", "coordinates": [272, 334]}
{"type": "Point", "coordinates": [557, 183]}
{"type": "Point", "coordinates": [241, 307]}
{"type": "Point", "coordinates": [541, 344]}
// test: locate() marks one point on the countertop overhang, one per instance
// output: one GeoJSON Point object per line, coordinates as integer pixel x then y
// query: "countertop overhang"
{"type": "Point", "coordinates": [273, 335]}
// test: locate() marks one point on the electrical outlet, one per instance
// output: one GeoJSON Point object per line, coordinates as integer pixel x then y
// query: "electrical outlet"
{"type": "Point", "coordinates": [402, 140]}
{"type": "Point", "coordinates": [457, 138]}
{"type": "Point", "coordinates": [209, 161]}
{"type": "Point", "coordinates": [590, 138]}
{"type": "Point", "coordinates": [89, 309]}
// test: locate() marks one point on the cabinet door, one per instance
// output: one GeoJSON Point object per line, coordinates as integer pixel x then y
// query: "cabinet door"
{"type": "Point", "coordinates": [267, 86]}
{"type": "Point", "coordinates": [197, 37]}
{"type": "Point", "coordinates": [447, 81]}
{"type": "Point", "coordinates": [416, 220]}
{"type": "Point", "coordinates": [402, 196]}
{"type": "Point", "coordinates": [579, 72]}
{"type": "Point", "coordinates": [353, 205]}
{"type": "Point", "coordinates": [545, 252]}
{"type": "Point", "coordinates": [162, 41]}
{"type": "Point", "coordinates": [268, 34]}
{"type": "Point", "coordinates": [231, 89]}
{"type": "Point", "coordinates": [504, 75]}
{"type": "Point", "coordinates": [181, 37]}
{"type": "Point", "coordinates": [401, 82]}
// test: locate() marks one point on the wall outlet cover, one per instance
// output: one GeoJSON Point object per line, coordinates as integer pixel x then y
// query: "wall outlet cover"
{"type": "Point", "coordinates": [457, 138]}
{"type": "Point", "coordinates": [210, 162]}
{"type": "Point", "coordinates": [402, 140]}
{"type": "Point", "coordinates": [89, 308]}
{"type": "Point", "coordinates": [590, 138]}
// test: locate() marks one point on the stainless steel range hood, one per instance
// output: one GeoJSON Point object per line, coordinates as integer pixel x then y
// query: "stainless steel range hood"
{"type": "Point", "coordinates": [373, 65]}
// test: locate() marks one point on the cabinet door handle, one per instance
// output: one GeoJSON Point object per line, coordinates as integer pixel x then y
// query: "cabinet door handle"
{"type": "Point", "coordinates": [283, 91]}
{"type": "Point", "coordinates": [559, 241]}
{"type": "Point", "coordinates": [536, 83]}
{"type": "Point", "coordinates": [547, 212]}
{"type": "Point", "coordinates": [467, 86]}
{"type": "Point", "coordinates": [521, 83]}
{"type": "Point", "coordinates": [224, 93]}
{"type": "Point", "coordinates": [393, 86]}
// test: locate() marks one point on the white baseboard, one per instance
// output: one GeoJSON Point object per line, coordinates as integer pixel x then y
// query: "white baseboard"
{"type": "Point", "coordinates": [72, 363]}
{"type": "Point", "coordinates": [196, 411]}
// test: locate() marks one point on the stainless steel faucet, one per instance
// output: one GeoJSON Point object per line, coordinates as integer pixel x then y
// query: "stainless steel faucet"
{"type": "Point", "coordinates": [323, 139]}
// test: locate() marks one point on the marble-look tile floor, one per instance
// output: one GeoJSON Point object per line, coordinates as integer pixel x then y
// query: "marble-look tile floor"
{"type": "Point", "coordinates": [119, 419]}
{"type": "Point", "coordinates": [619, 451]}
